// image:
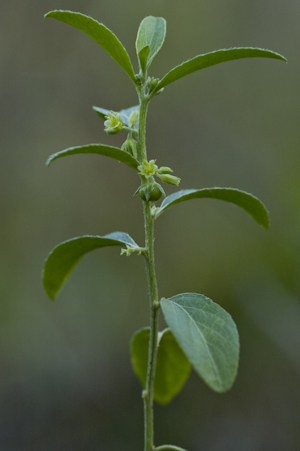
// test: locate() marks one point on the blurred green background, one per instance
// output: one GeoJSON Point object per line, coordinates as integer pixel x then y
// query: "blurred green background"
{"type": "Point", "coordinates": [66, 381]}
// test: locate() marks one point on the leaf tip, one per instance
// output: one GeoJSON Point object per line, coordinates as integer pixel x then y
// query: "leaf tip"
{"type": "Point", "coordinates": [50, 14]}
{"type": "Point", "coordinates": [50, 293]}
{"type": "Point", "coordinates": [49, 161]}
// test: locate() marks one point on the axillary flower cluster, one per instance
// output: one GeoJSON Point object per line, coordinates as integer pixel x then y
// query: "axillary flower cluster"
{"type": "Point", "coordinates": [150, 190]}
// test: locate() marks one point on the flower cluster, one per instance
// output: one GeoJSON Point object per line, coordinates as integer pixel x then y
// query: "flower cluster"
{"type": "Point", "coordinates": [149, 169]}
{"type": "Point", "coordinates": [114, 123]}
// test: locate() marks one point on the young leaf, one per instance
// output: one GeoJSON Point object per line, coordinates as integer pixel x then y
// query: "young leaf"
{"type": "Point", "coordinates": [207, 335]}
{"type": "Point", "coordinates": [152, 33]}
{"type": "Point", "coordinates": [172, 367]}
{"type": "Point", "coordinates": [125, 114]}
{"type": "Point", "coordinates": [99, 149]}
{"type": "Point", "coordinates": [210, 59]}
{"type": "Point", "coordinates": [143, 56]}
{"type": "Point", "coordinates": [64, 257]}
{"type": "Point", "coordinates": [249, 203]}
{"type": "Point", "coordinates": [101, 34]}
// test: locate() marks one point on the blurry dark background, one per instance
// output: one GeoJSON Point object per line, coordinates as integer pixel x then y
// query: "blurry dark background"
{"type": "Point", "coordinates": [65, 376]}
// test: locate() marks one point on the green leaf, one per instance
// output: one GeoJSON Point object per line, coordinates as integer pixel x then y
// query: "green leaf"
{"type": "Point", "coordinates": [64, 257]}
{"type": "Point", "coordinates": [102, 112]}
{"type": "Point", "coordinates": [152, 33]}
{"type": "Point", "coordinates": [210, 59]}
{"type": "Point", "coordinates": [101, 34]}
{"type": "Point", "coordinates": [172, 367]}
{"type": "Point", "coordinates": [99, 149]}
{"type": "Point", "coordinates": [249, 203]}
{"type": "Point", "coordinates": [143, 56]}
{"type": "Point", "coordinates": [207, 335]}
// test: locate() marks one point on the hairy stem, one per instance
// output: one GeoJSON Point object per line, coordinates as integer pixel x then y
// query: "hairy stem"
{"type": "Point", "coordinates": [148, 393]}
{"type": "Point", "coordinates": [142, 153]}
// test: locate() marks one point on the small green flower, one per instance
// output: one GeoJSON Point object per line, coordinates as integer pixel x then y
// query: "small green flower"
{"type": "Point", "coordinates": [171, 179]}
{"type": "Point", "coordinates": [148, 168]}
{"type": "Point", "coordinates": [113, 123]}
{"type": "Point", "coordinates": [133, 118]}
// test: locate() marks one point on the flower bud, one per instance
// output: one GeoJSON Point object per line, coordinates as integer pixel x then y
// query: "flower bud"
{"type": "Point", "coordinates": [164, 170]}
{"type": "Point", "coordinates": [133, 118]}
{"type": "Point", "coordinates": [152, 83]}
{"type": "Point", "coordinates": [113, 123]}
{"type": "Point", "coordinates": [130, 146]}
{"type": "Point", "coordinates": [171, 179]}
{"type": "Point", "coordinates": [150, 192]}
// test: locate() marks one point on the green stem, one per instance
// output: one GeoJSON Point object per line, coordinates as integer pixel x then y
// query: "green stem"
{"type": "Point", "coordinates": [142, 153]}
{"type": "Point", "coordinates": [148, 394]}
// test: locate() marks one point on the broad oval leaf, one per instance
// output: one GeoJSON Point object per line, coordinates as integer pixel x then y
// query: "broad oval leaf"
{"type": "Point", "coordinates": [207, 335]}
{"type": "Point", "coordinates": [99, 149]}
{"type": "Point", "coordinates": [152, 33]}
{"type": "Point", "coordinates": [212, 58]}
{"type": "Point", "coordinates": [172, 367]}
{"type": "Point", "coordinates": [102, 112]}
{"type": "Point", "coordinates": [64, 257]}
{"type": "Point", "coordinates": [100, 33]}
{"type": "Point", "coordinates": [247, 201]}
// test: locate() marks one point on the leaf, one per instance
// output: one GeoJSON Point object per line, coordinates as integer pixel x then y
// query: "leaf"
{"type": "Point", "coordinates": [123, 113]}
{"type": "Point", "coordinates": [100, 33]}
{"type": "Point", "coordinates": [210, 59]}
{"type": "Point", "coordinates": [207, 335]}
{"type": "Point", "coordinates": [249, 203]}
{"type": "Point", "coordinates": [64, 257]}
{"type": "Point", "coordinates": [99, 149]}
{"type": "Point", "coordinates": [172, 367]}
{"type": "Point", "coordinates": [152, 33]}
{"type": "Point", "coordinates": [143, 56]}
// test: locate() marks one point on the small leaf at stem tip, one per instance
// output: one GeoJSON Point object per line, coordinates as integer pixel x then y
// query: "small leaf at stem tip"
{"type": "Point", "coordinates": [100, 33]}
{"type": "Point", "coordinates": [172, 368]}
{"type": "Point", "coordinates": [152, 33]}
{"type": "Point", "coordinates": [212, 58]}
{"type": "Point", "coordinates": [99, 149]}
{"type": "Point", "coordinates": [207, 335]}
{"type": "Point", "coordinates": [143, 55]}
{"type": "Point", "coordinates": [64, 257]}
{"type": "Point", "coordinates": [248, 202]}
{"type": "Point", "coordinates": [125, 114]}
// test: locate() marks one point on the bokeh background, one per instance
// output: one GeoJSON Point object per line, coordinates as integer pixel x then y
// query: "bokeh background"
{"type": "Point", "coordinates": [66, 381]}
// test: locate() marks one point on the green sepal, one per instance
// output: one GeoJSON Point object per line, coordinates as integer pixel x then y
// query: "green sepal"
{"type": "Point", "coordinates": [64, 257]}
{"type": "Point", "coordinates": [212, 58]}
{"type": "Point", "coordinates": [150, 192]}
{"type": "Point", "coordinates": [125, 114]}
{"type": "Point", "coordinates": [248, 202]}
{"type": "Point", "coordinates": [152, 33]}
{"type": "Point", "coordinates": [99, 149]}
{"type": "Point", "coordinates": [100, 33]}
{"type": "Point", "coordinates": [172, 367]}
{"type": "Point", "coordinates": [207, 335]}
